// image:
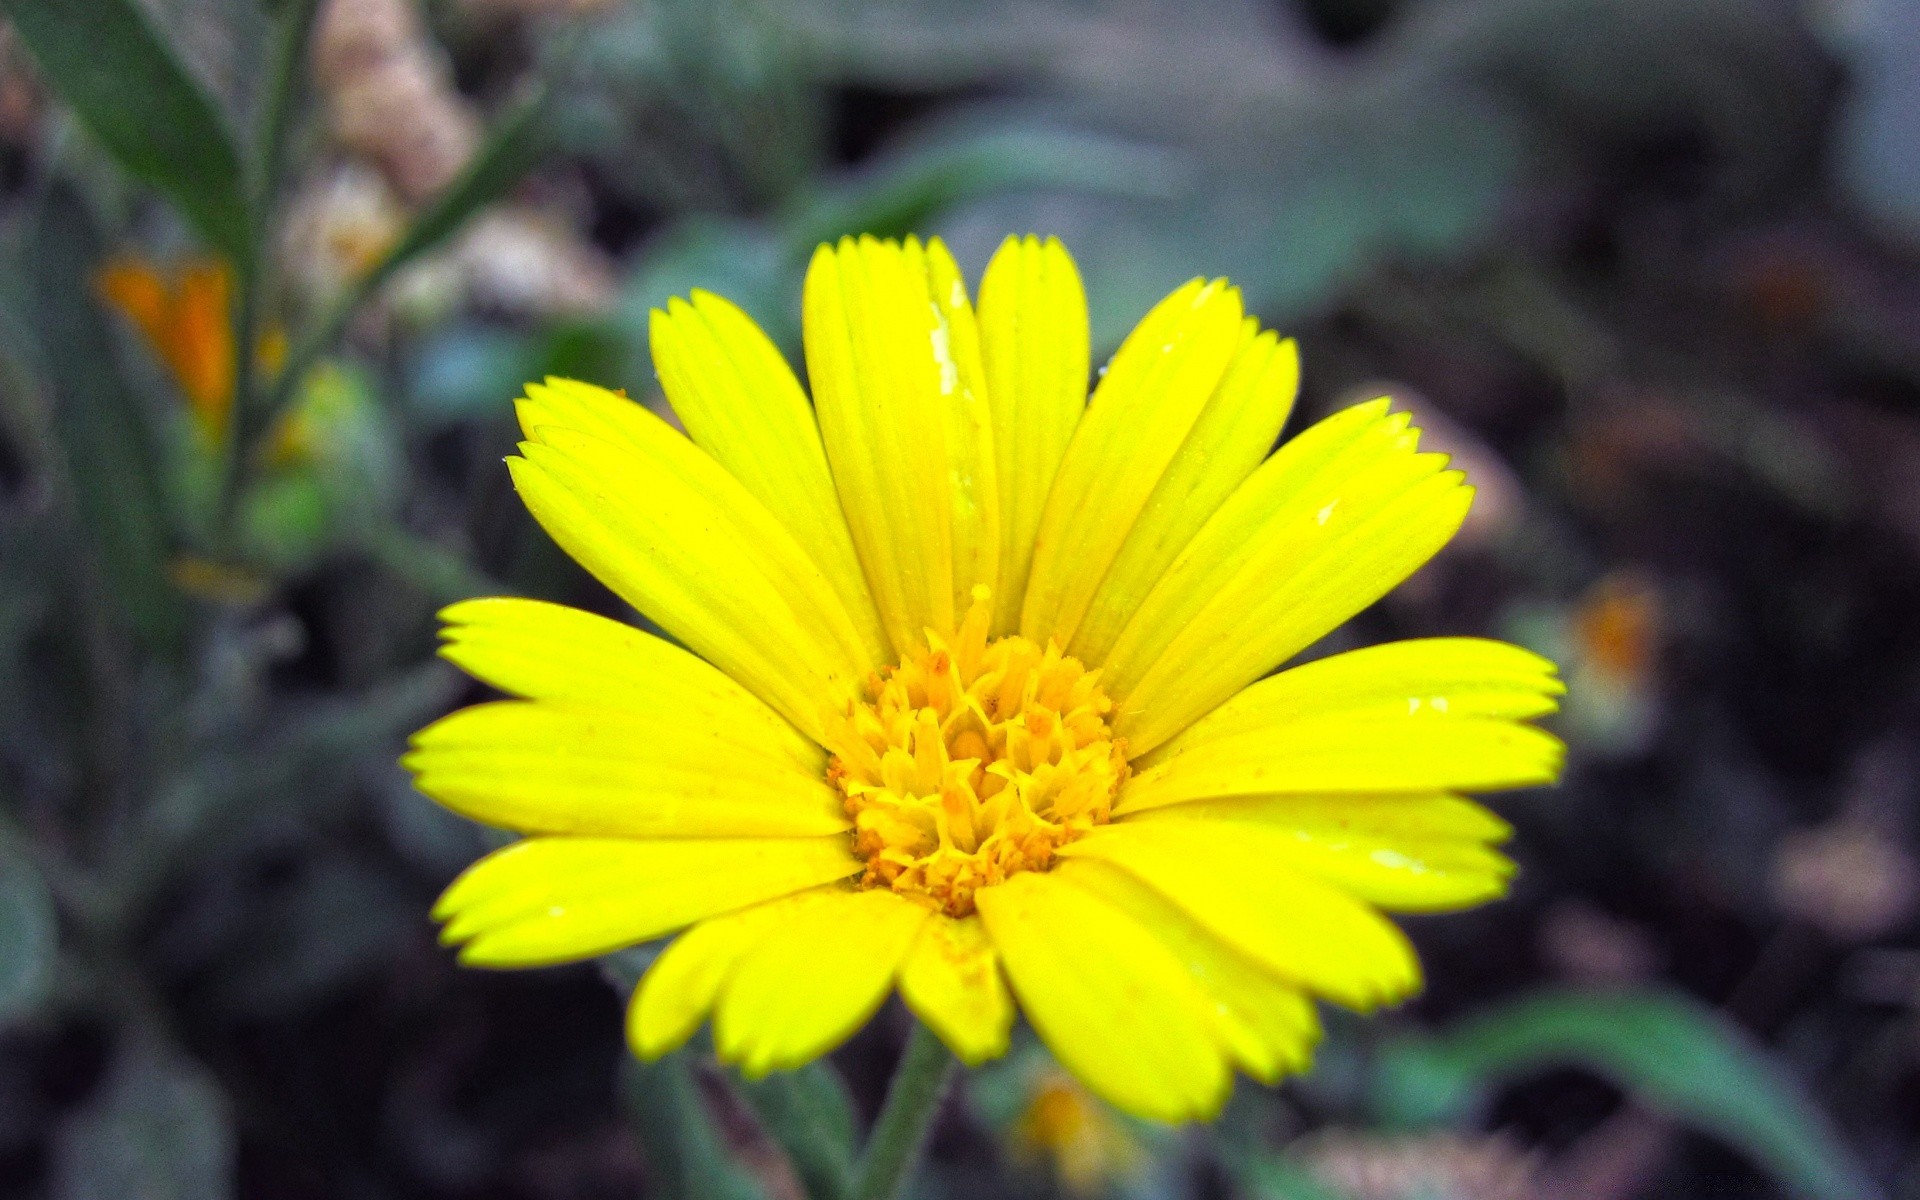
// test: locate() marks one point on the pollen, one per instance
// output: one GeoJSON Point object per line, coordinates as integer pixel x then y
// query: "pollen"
{"type": "Point", "coordinates": [973, 761]}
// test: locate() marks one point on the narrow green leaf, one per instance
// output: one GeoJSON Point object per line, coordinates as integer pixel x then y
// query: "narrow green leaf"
{"type": "Point", "coordinates": [1670, 1052]}
{"type": "Point", "coordinates": [28, 935]}
{"type": "Point", "coordinates": [514, 145]}
{"type": "Point", "coordinates": [810, 1114]}
{"type": "Point", "coordinates": [101, 431]}
{"type": "Point", "coordinates": [105, 59]}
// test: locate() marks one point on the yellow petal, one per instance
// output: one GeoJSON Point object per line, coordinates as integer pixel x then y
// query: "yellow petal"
{"type": "Point", "coordinates": [1142, 411]}
{"type": "Point", "coordinates": [1297, 927]}
{"type": "Point", "coordinates": [1325, 527]}
{"type": "Point", "coordinates": [951, 980]}
{"type": "Point", "coordinates": [1407, 815]}
{"type": "Point", "coordinates": [677, 537]}
{"type": "Point", "coordinates": [1268, 1026]}
{"type": "Point", "coordinates": [550, 652]}
{"type": "Point", "coordinates": [1034, 343]}
{"type": "Point", "coordinates": [740, 402]}
{"type": "Point", "coordinates": [558, 899]}
{"type": "Point", "coordinates": [1232, 435]}
{"type": "Point", "coordinates": [818, 974]}
{"type": "Point", "coordinates": [552, 767]}
{"type": "Point", "coordinates": [1427, 677]}
{"type": "Point", "coordinates": [680, 988]}
{"type": "Point", "coordinates": [893, 353]}
{"type": "Point", "coordinates": [1340, 753]}
{"type": "Point", "coordinates": [1116, 1007]}
{"type": "Point", "coordinates": [1390, 870]}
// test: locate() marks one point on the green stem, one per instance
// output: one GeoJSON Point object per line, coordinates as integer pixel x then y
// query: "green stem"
{"type": "Point", "coordinates": [919, 1084]}
{"type": "Point", "coordinates": [247, 419]}
{"type": "Point", "coordinates": [510, 150]}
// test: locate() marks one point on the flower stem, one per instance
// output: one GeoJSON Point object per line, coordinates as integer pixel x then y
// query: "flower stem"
{"type": "Point", "coordinates": [245, 419]}
{"type": "Point", "coordinates": [919, 1083]}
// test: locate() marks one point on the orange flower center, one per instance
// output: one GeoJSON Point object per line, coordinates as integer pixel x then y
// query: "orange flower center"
{"type": "Point", "coordinates": [972, 762]}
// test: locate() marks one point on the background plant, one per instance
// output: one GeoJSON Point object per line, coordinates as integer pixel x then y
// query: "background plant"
{"type": "Point", "coordinates": [1650, 265]}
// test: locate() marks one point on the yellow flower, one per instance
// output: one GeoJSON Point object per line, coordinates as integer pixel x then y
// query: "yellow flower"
{"type": "Point", "coordinates": [975, 701]}
{"type": "Point", "coordinates": [184, 316]}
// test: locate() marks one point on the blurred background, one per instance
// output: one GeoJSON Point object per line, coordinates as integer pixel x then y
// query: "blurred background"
{"type": "Point", "coordinates": [1649, 268]}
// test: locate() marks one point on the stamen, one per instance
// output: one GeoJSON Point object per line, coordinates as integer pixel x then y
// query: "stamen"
{"type": "Point", "coordinates": [973, 762]}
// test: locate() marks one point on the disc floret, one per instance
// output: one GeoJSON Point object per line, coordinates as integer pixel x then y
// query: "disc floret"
{"type": "Point", "coordinates": [975, 760]}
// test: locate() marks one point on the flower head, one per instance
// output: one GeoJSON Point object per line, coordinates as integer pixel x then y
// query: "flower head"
{"type": "Point", "coordinates": [973, 697]}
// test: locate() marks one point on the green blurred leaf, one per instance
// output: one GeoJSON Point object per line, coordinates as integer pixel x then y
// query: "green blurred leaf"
{"type": "Point", "coordinates": [810, 1113]}
{"type": "Point", "coordinates": [737, 259]}
{"type": "Point", "coordinates": [1670, 1052]}
{"type": "Point", "coordinates": [105, 59]}
{"type": "Point", "coordinates": [669, 1116]}
{"type": "Point", "coordinates": [464, 372]}
{"type": "Point", "coordinates": [979, 155]}
{"type": "Point", "coordinates": [102, 433]}
{"type": "Point", "coordinates": [1268, 1177]}
{"type": "Point", "coordinates": [516, 142]}
{"type": "Point", "coordinates": [157, 1128]}
{"type": "Point", "coordinates": [28, 933]}
{"type": "Point", "coordinates": [284, 521]}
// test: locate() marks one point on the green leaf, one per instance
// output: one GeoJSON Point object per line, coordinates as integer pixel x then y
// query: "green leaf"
{"type": "Point", "coordinates": [810, 1113]}
{"type": "Point", "coordinates": [157, 1128]}
{"type": "Point", "coordinates": [108, 63]}
{"type": "Point", "coordinates": [514, 145]}
{"type": "Point", "coordinates": [1671, 1053]}
{"type": "Point", "coordinates": [102, 432]}
{"type": "Point", "coordinates": [28, 934]}
{"type": "Point", "coordinates": [1268, 1177]}
{"type": "Point", "coordinates": [976, 156]}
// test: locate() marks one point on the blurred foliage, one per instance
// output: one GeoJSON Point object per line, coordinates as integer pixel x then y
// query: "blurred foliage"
{"type": "Point", "coordinates": [1648, 263]}
{"type": "Point", "coordinates": [1667, 1052]}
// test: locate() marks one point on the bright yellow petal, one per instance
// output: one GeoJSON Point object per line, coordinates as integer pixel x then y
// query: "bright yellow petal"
{"type": "Point", "coordinates": [1141, 413]}
{"type": "Point", "coordinates": [676, 536]}
{"type": "Point", "coordinates": [1389, 870]}
{"type": "Point", "coordinates": [1406, 815]}
{"type": "Point", "coordinates": [680, 988]}
{"type": "Point", "coordinates": [1328, 525]}
{"type": "Point", "coordinates": [1116, 1007]}
{"type": "Point", "coordinates": [1294, 925]}
{"type": "Point", "coordinates": [1268, 1027]}
{"type": "Point", "coordinates": [818, 974]}
{"type": "Point", "coordinates": [893, 353]}
{"type": "Point", "coordinates": [1034, 343]}
{"type": "Point", "coordinates": [1341, 753]}
{"type": "Point", "coordinates": [552, 767]}
{"type": "Point", "coordinates": [558, 899]}
{"type": "Point", "coordinates": [1232, 435]}
{"type": "Point", "coordinates": [546, 651]}
{"type": "Point", "coordinates": [951, 980]}
{"type": "Point", "coordinates": [740, 402]}
{"type": "Point", "coordinates": [1426, 677]}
